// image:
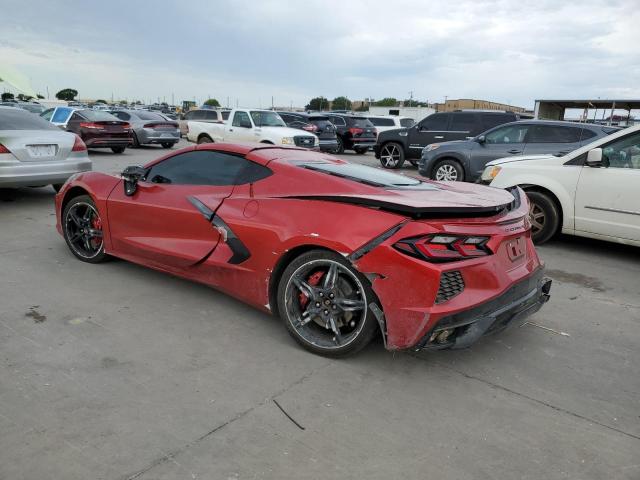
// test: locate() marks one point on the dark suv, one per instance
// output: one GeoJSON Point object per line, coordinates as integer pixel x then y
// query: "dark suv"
{"type": "Point", "coordinates": [316, 123]}
{"type": "Point", "coordinates": [394, 146]}
{"type": "Point", "coordinates": [354, 132]}
{"type": "Point", "coordinates": [465, 160]}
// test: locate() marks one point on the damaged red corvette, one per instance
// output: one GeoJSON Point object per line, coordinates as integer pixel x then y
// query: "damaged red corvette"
{"type": "Point", "coordinates": [339, 251]}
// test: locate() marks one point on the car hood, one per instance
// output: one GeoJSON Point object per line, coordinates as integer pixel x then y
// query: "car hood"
{"type": "Point", "coordinates": [500, 161]}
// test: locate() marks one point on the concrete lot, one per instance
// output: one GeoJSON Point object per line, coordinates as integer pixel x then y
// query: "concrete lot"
{"type": "Point", "coordinates": [115, 371]}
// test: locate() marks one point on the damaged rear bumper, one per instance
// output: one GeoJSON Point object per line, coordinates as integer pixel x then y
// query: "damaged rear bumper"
{"type": "Point", "coordinates": [464, 328]}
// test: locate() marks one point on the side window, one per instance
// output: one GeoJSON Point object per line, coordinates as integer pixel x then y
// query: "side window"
{"type": "Point", "coordinates": [225, 115]}
{"type": "Point", "coordinates": [211, 115]}
{"type": "Point", "coordinates": [206, 168]}
{"type": "Point", "coordinates": [463, 122]}
{"type": "Point", "coordinates": [47, 114]}
{"type": "Point", "coordinates": [623, 152]}
{"type": "Point", "coordinates": [61, 115]}
{"type": "Point", "coordinates": [407, 122]}
{"type": "Point", "coordinates": [76, 117]}
{"type": "Point", "coordinates": [241, 119]}
{"type": "Point", "coordinates": [287, 118]}
{"type": "Point", "coordinates": [382, 122]}
{"type": "Point", "coordinates": [553, 134]}
{"type": "Point", "coordinates": [338, 121]}
{"type": "Point", "coordinates": [436, 122]}
{"type": "Point", "coordinates": [509, 134]}
{"type": "Point", "coordinates": [587, 134]}
{"type": "Point", "coordinates": [122, 115]}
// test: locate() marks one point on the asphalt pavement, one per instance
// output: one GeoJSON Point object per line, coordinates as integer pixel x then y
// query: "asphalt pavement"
{"type": "Point", "coordinates": [115, 371]}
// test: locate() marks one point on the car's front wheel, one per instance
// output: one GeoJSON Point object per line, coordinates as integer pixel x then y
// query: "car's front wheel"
{"type": "Point", "coordinates": [117, 149]}
{"type": "Point", "coordinates": [167, 144]}
{"type": "Point", "coordinates": [82, 229]}
{"type": "Point", "coordinates": [326, 304]}
{"type": "Point", "coordinates": [392, 155]}
{"type": "Point", "coordinates": [448, 171]}
{"type": "Point", "coordinates": [544, 216]}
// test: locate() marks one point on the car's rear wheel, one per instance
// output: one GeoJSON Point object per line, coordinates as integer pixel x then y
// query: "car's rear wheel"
{"type": "Point", "coordinates": [544, 216]}
{"type": "Point", "coordinates": [360, 151]}
{"type": "Point", "coordinates": [82, 229]}
{"type": "Point", "coordinates": [392, 155]}
{"type": "Point", "coordinates": [117, 149]}
{"type": "Point", "coordinates": [448, 171]}
{"type": "Point", "coordinates": [204, 139]}
{"type": "Point", "coordinates": [167, 144]}
{"type": "Point", "coordinates": [135, 143]}
{"type": "Point", "coordinates": [325, 304]}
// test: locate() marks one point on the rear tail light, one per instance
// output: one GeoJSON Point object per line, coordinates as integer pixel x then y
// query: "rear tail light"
{"type": "Point", "coordinates": [356, 131]}
{"type": "Point", "coordinates": [126, 126]}
{"type": "Point", "coordinates": [90, 125]}
{"type": "Point", "coordinates": [443, 247]}
{"type": "Point", "coordinates": [4, 149]}
{"type": "Point", "coordinates": [310, 128]}
{"type": "Point", "coordinates": [78, 145]}
{"type": "Point", "coordinates": [160, 125]}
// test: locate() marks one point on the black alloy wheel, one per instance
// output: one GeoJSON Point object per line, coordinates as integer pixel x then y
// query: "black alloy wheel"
{"type": "Point", "coordinates": [392, 155]}
{"type": "Point", "coordinates": [325, 304]}
{"type": "Point", "coordinates": [82, 228]}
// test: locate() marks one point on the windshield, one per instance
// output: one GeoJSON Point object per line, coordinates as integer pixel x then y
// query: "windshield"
{"type": "Point", "coordinates": [266, 119]}
{"type": "Point", "coordinates": [369, 175]}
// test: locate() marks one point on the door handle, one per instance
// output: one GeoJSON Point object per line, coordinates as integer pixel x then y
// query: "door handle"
{"type": "Point", "coordinates": [439, 137]}
{"type": "Point", "coordinates": [514, 151]}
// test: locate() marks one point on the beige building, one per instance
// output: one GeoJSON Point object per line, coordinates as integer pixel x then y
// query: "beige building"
{"type": "Point", "coordinates": [472, 104]}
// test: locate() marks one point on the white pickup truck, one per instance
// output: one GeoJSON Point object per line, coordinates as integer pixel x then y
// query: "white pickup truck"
{"type": "Point", "coordinates": [248, 125]}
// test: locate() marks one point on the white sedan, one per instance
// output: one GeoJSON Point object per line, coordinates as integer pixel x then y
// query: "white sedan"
{"type": "Point", "coordinates": [592, 192]}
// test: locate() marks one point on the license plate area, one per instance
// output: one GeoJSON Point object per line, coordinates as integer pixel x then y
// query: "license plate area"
{"type": "Point", "coordinates": [516, 250]}
{"type": "Point", "coordinates": [42, 151]}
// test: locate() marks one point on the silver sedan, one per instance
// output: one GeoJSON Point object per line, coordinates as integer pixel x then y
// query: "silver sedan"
{"type": "Point", "coordinates": [150, 128]}
{"type": "Point", "coordinates": [35, 153]}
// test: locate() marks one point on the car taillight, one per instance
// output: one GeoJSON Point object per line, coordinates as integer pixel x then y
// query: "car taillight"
{"type": "Point", "coordinates": [310, 128]}
{"type": "Point", "coordinates": [160, 125]}
{"type": "Point", "coordinates": [355, 131]}
{"type": "Point", "coordinates": [126, 126]}
{"type": "Point", "coordinates": [90, 125]}
{"type": "Point", "coordinates": [78, 145]}
{"type": "Point", "coordinates": [444, 247]}
{"type": "Point", "coordinates": [4, 149]}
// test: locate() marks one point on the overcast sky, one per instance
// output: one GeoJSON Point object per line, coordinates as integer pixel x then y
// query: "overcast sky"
{"type": "Point", "coordinates": [511, 51]}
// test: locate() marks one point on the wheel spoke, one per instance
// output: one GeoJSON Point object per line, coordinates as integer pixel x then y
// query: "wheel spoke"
{"type": "Point", "coordinates": [76, 236]}
{"type": "Point", "coordinates": [74, 217]}
{"type": "Point", "coordinates": [304, 287]}
{"type": "Point", "coordinates": [95, 233]}
{"type": "Point", "coordinates": [86, 240]}
{"type": "Point", "coordinates": [349, 304]}
{"type": "Point", "coordinates": [336, 331]}
{"type": "Point", "coordinates": [331, 276]}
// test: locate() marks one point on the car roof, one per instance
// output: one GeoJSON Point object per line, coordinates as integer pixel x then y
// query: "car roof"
{"type": "Point", "coordinates": [563, 123]}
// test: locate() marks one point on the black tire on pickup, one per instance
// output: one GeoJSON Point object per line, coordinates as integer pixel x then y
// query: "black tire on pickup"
{"type": "Point", "coordinates": [204, 139]}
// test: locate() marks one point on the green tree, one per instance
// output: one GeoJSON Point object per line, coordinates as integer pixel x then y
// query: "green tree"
{"type": "Point", "coordinates": [318, 103]}
{"type": "Point", "coordinates": [67, 94]}
{"type": "Point", "coordinates": [24, 98]}
{"type": "Point", "coordinates": [341, 103]}
{"type": "Point", "coordinates": [7, 96]}
{"type": "Point", "coordinates": [101, 101]}
{"type": "Point", "coordinates": [414, 103]}
{"type": "Point", "coordinates": [212, 102]}
{"type": "Point", "coordinates": [386, 102]}
{"type": "Point", "coordinates": [40, 96]}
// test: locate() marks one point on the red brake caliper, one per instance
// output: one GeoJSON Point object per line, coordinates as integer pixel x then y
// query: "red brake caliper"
{"type": "Point", "coordinates": [96, 224]}
{"type": "Point", "coordinates": [313, 280]}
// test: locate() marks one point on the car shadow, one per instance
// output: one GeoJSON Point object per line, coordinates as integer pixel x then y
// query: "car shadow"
{"type": "Point", "coordinates": [28, 195]}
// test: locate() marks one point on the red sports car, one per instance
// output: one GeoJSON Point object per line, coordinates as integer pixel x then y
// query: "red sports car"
{"type": "Point", "coordinates": [339, 251]}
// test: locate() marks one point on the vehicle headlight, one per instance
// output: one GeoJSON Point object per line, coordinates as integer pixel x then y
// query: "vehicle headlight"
{"type": "Point", "coordinates": [288, 141]}
{"type": "Point", "coordinates": [316, 142]}
{"type": "Point", "coordinates": [433, 146]}
{"type": "Point", "coordinates": [490, 173]}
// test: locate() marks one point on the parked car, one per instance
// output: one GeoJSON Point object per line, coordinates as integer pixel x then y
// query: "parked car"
{"type": "Point", "coordinates": [34, 153]}
{"type": "Point", "coordinates": [32, 107]}
{"type": "Point", "coordinates": [209, 116]}
{"type": "Point", "coordinates": [591, 192]}
{"type": "Point", "coordinates": [97, 129]}
{"type": "Point", "coordinates": [150, 128]}
{"type": "Point", "coordinates": [464, 160]}
{"type": "Point", "coordinates": [248, 125]}
{"type": "Point", "coordinates": [354, 132]}
{"type": "Point", "coordinates": [260, 223]}
{"type": "Point", "coordinates": [315, 123]}
{"type": "Point", "coordinates": [390, 122]}
{"type": "Point", "coordinates": [395, 146]}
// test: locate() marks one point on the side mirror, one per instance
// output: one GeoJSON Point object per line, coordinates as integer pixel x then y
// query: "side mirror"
{"type": "Point", "coordinates": [481, 139]}
{"type": "Point", "coordinates": [594, 158]}
{"type": "Point", "coordinates": [131, 176]}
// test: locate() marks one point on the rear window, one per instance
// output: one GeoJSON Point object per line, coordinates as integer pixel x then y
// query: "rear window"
{"type": "Point", "coordinates": [610, 130]}
{"type": "Point", "coordinates": [225, 115]}
{"type": "Point", "coordinates": [587, 134]}
{"type": "Point", "coordinates": [210, 115]}
{"type": "Point", "coordinates": [407, 122]}
{"type": "Point", "coordinates": [318, 118]}
{"type": "Point", "coordinates": [98, 116]}
{"type": "Point", "coordinates": [149, 116]}
{"type": "Point", "coordinates": [553, 134]}
{"type": "Point", "coordinates": [494, 119]}
{"type": "Point", "coordinates": [382, 122]}
{"type": "Point", "coordinates": [17, 119]}
{"type": "Point", "coordinates": [360, 122]}
{"type": "Point", "coordinates": [368, 175]}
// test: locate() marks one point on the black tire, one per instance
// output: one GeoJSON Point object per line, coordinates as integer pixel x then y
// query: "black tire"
{"type": "Point", "coordinates": [413, 162]}
{"type": "Point", "coordinates": [167, 144]}
{"type": "Point", "coordinates": [354, 328]}
{"type": "Point", "coordinates": [360, 151]}
{"type": "Point", "coordinates": [117, 149]}
{"type": "Point", "coordinates": [84, 246]}
{"type": "Point", "coordinates": [544, 215]}
{"type": "Point", "coordinates": [204, 139]}
{"type": "Point", "coordinates": [134, 140]}
{"type": "Point", "coordinates": [448, 170]}
{"type": "Point", "coordinates": [392, 155]}
{"type": "Point", "coordinates": [340, 148]}
{"type": "Point", "coordinates": [57, 186]}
